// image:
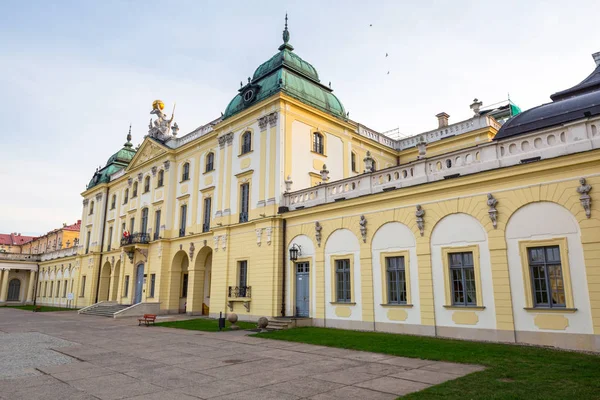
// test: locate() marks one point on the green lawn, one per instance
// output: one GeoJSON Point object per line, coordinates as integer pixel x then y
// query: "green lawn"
{"type": "Point", "coordinates": [42, 308]}
{"type": "Point", "coordinates": [513, 372]}
{"type": "Point", "coordinates": [204, 324]}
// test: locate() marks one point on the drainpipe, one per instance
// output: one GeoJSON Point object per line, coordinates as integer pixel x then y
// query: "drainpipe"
{"type": "Point", "coordinates": [283, 259]}
{"type": "Point", "coordinates": [37, 278]}
{"type": "Point", "coordinates": [103, 223]}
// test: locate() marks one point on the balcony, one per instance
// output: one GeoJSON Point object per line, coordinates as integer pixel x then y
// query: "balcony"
{"type": "Point", "coordinates": [156, 235]}
{"type": "Point", "coordinates": [136, 238]}
{"type": "Point", "coordinates": [241, 294]}
{"type": "Point", "coordinates": [206, 227]}
{"type": "Point", "coordinates": [243, 217]}
{"type": "Point", "coordinates": [182, 232]}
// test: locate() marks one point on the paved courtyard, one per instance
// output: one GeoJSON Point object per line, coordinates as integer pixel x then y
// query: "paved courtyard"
{"type": "Point", "coordinates": [69, 356]}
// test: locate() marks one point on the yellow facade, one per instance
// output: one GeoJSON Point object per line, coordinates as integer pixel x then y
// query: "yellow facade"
{"type": "Point", "coordinates": [235, 195]}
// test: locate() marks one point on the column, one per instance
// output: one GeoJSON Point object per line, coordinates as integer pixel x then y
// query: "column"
{"type": "Point", "coordinates": [4, 287]}
{"type": "Point", "coordinates": [31, 287]}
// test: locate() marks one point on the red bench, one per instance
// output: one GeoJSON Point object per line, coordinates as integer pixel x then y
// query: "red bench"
{"type": "Point", "coordinates": [147, 319]}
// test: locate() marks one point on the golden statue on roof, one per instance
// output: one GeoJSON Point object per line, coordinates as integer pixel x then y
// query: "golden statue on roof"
{"type": "Point", "coordinates": [160, 128]}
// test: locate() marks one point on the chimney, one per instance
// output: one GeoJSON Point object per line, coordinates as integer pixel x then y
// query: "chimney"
{"type": "Point", "coordinates": [597, 58]}
{"type": "Point", "coordinates": [442, 119]}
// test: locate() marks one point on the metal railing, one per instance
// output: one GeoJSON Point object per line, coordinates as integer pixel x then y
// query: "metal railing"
{"type": "Point", "coordinates": [136, 238]}
{"type": "Point", "coordinates": [240, 291]}
{"type": "Point", "coordinates": [205, 227]}
{"type": "Point", "coordinates": [243, 217]}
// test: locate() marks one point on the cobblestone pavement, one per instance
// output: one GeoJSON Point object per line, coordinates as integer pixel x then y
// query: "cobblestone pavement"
{"type": "Point", "coordinates": [66, 356]}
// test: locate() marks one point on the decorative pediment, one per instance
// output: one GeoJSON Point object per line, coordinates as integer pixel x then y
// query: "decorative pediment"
{"type": "Point", "coordinates": [149, 150]}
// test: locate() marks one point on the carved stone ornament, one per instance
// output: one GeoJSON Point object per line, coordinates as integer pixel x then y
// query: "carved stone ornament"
{"type": "Point", "coordinates": [216, 240]}
{"type": "Point", "coordinates": [99, 197]}
{"type": "Point", "coordinates": [318, 229]}
{"type": "Point", "coordinates": [258, 236]}
{"type": "Point", "coordinates": [85, 202]}
{"type": "Point", "coordinates": [421, 146]}
{"type": "Point", "coordinates": [223, 242]}
{"type": "Point", "coordinates": [226, 139]}
{"type": "Point", "coordinates": [191, 251]}
{"type": "Point", "coordinates": [90, 262]}
{"type": "Point", "coordinates": [492, 211]}
{"type": "Point", "coordinates": [288, 184]}
{"type": "Point", "coordinates": [159, 250]}
{"type": "Point", "coordinates": [368, 160]}
{"type": "Point", "coordinates": [140, 176]}
{"type": "Point", "coordinates": [154, 170]}
{"type": "Point", "coordinates": [112, 262]}
{"type": "Point", "coordinates": [167, 164]}
{"type": "Point", "coordinates": [160, 128]}
{"type": "Point", "coordinates": [363, 228]}
{"type": "Point", "coordinates": [420, 213]}
{"type": "Point", "coordinates": [262, 123]}
{"type": "Point", "coordinates": [272, 119]}
{"type": "Point", "coordinates": [586, 200]}
{"type": "Point", "coordinates": [129, 181]}
{"type": "Point", "coordinates": [269, 231]}
{"type": "Point", "coordinates": [324, 174]}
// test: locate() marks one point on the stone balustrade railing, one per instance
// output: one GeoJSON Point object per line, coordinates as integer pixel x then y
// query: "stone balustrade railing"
{"type": "Point", "coordinates": [491, 155]}
{"type": "Point", "coordinates": [199, 132]}
{"type": "Point", "coordinates": [67, 252]}
{"type": "Point", "coordinates": [431, 136]}
{"type": "Point", "coordinates": [34, 258]}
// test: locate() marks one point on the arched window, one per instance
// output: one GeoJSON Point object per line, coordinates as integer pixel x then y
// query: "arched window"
{"type": "Point", "coordinates": [210, 161]}
{"type": "Point", "coordinates": [246, 142]}
{"type": "Point", "coordinates": [353, 162]}
{"type": "Point", "coordinates": [186, 172]}
{"type": "Point", "coordinates": [126, 197]}
{"type": "Point", "coordinates": [91, 207]}
{"type": "Point", "coordinates": [374, 166]}
{"type": "Point", "coordinates": [14, 290]}
{"type": "Point", "coordinates": [134, 194]}
{"type": "Point", "coordinates": [147, 184]}
{"type": "Point", "coordinates": [113, 202]}
{"type": "Point", "coordinates": [161, 177]}
{"type": "Point", "coordinates": [318, 143]}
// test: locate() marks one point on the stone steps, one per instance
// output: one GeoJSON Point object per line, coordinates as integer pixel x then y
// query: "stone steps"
{"type": "Point", "coordinates": [104, 310]}
{"type": "Point", "coordinates": [280, 323]}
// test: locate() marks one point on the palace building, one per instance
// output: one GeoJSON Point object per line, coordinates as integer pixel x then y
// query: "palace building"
{"type": "Point", "coordinates": [483, 229]}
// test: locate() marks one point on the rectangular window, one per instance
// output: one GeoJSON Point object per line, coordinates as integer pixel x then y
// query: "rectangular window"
{"type": "Point", "coordinates": [244, 201]}
{"type": "Point", "coordinates": [318, 143]}
{"type": "Point", "coordinates": [57, 288]}
{"type": "Point", "coordinates": [156, 224]}
{"type": "Point", "coordinates": [144, 222]}
{"type": "Point", "coordinates": [131, 225]}
{"type": "Point", "coordinates": [87, 242]}
{"type": "Point", "coordinates": [110, 232]}
{"type": "Point", "coordinates": [242, 278]}
{"type": "Point", "coordinates": [82, 291]}
{"type": "Point", "coordinates": [462, 279]}
{"type": "Point", "coordinates": [353, 157]}
{"type": "Point", "coordinates": [546, 277]}
{"type": "Point", "coordinates": [51, 292]}
{"type": "Point", "coordinates": [152, 284]}
{"type": "Point", "coordinates": [396, 280]}
{"type": "Point", "coordinates": [123, 228]}
{"type": "Point", "coordinates": [126, 286]}
{"type": "Point", "coordinates": [342, 281]}
{"type": "Point", "coordinates": [183, 220]}
{"type": "Point", "coordinates": [65, 289]}
{"type": "Point", "coordinates": [184, 287]}
{"type": "Point", "coordinates": [39, 292]}
{"type": "Point", "coordinates": [45, 289]}
{"type": "Point", "coordinates": [207, 211]}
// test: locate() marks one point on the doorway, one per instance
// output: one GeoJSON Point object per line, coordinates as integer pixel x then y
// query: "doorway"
{"type": "Point", "coordinates": [14, 290]}
{"type": "Point", "coordinates": [302, 289]}
{"type": "Point", "coordinates": [139, 284]}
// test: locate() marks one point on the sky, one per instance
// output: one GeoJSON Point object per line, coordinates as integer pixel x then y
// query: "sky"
{"type": "Point", "coordinates": [75, 74]}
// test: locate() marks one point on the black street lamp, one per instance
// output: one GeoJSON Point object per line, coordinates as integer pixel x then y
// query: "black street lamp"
{"type": "Point", "coordinates": [294, 252]}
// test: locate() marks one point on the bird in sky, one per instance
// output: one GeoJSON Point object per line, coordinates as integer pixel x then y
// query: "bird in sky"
{"type": "Point", "coordinates": [388, 72]}
{"type": "Point", "coordinates": [370, 24]}
{"type": "Point", "coordinates": [386, 54]}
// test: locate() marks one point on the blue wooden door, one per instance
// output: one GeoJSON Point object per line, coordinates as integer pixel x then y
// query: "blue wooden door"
{"type": "Point", "coordinates": [302, 289]}
{"type": "Point", "coordinates": [139, 283]}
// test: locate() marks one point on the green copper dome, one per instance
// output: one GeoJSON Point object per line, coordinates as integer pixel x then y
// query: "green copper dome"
{"type": "Point", "coordinates": [289, 73]}
{"type": "Point", "coordinates": [116, 162]}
